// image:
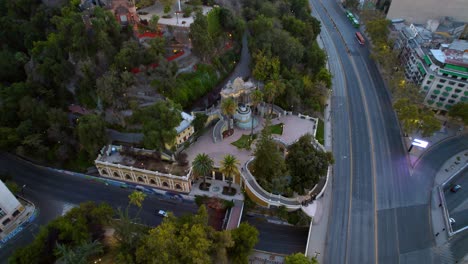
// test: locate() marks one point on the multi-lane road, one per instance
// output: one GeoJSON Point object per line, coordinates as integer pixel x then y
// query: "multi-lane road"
{"type": "Point", "coordinates": [54, 193]}
{"type": "Point", "coordinates": [380, 211]}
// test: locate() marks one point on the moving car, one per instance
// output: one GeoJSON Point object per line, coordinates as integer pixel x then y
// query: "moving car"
{"type": "Point", "coordinates": [452, 221]}
{"type": "Point", "coordinates": [455, 188]}
{"type": "Point", "coordinates": [161, 213]}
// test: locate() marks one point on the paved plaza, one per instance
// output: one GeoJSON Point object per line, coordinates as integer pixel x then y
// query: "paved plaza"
{"type": "Point", "coordinates": [294, 127]}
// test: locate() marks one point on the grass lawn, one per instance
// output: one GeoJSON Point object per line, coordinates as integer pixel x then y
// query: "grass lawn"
{"type": "Point", "coordinates": [320, 132]}
{"type": "Point", "coordinates": [244, 142]}
{"type": "Point", "coordinates": [277, 129]}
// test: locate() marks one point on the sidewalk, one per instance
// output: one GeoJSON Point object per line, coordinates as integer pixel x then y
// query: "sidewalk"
{"type": "Point", "coordinates": [448, 129]}
{"type": "Point", "coordinates": [319, 224]}
{"type": "Point", "coordinates": [216, 190]}
{"type": "Point", "coordinates": [440, 224]}
{"type": "Point", "coordinates": [26, 216]}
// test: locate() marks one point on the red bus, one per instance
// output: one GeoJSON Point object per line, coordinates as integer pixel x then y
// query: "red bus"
{"type": "Point", "coordinates": [360, 39]}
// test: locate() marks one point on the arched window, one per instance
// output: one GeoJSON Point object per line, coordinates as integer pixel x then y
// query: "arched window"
{"type": "Point", "coordinates": [116, 174]}
{"type": "Point", "coordinates": [140, 179]}
{"type": "Point", "coordinates": [165, 184]}
{"type": "Point", "coordinates": [128, 177]}
{"type": "Point", "coordinates": [152, 181]}
{"type": "Point", "coordinates": [178, 187]}
{"type": "Point", "coordinates": [104, 172]}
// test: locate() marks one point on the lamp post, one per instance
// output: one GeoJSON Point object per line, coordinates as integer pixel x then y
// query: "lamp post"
{"type": "Point", "coordinates": [177, 17]}
{"type": "Point", "coordinates": [22, 190]}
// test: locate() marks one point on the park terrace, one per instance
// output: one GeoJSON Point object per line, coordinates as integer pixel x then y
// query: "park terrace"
{"type": "Point", "coordinates": [144, 167]}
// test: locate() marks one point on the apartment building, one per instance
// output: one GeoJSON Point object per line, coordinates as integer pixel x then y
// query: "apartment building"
{"type": "Point", "coordinates": [440, 68]}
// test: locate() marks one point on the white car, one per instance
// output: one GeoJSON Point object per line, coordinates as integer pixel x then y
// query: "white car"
{"type": "Point", "coordinates": [452, 221]}
{"type": "Point", "coordinates": [162, 213]}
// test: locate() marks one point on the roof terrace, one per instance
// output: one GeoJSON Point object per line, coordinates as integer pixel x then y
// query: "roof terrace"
{"type": "Point", "coordinates": [144, 159]}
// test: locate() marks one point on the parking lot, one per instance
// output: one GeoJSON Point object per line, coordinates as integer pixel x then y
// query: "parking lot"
{"type": "Point", "coordinates": [457, 202]}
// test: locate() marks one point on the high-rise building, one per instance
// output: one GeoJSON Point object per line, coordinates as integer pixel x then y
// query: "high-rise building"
{"type": "Point", "coordinates": [10, 208]}
{"type": "Point", "coordinates": [419, 11]}
{"type": "Point", "coordinates": [441, 69]}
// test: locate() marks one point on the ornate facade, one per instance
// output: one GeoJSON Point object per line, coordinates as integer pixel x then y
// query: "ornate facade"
{"type": "Point", "coordinates": [140, 168]}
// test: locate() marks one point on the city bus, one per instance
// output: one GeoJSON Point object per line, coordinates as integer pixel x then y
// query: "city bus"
{"type": "Point", "coordinates": [352, 18]}
{"type": "Point", "coordinates": [360, 38]}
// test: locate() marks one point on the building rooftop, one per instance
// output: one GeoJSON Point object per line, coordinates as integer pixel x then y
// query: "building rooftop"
{"type": "Point", "coordinates": [455, 53]}
{"type": "Point", "coordinates": [143, 159]}
{"type": "Point", "coordinates": [186, 121]}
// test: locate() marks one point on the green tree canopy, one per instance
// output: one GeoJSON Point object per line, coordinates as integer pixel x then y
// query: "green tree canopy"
{"type": "Point", "coordinates": [202, 165]}
{"type": "Point", "coordinates": [92, 134]}
{"type": "Point", "coordinates": [306, 164]}
{"type": "Point", "coordinates": [228, 108]}
{"type": "Point", "coordinates": [73, 230]}
{"type": "Point", "coordinates": [245, 238]}
{"type": "Point", "coordinates": [159, 122]}
{"type": "Point", "coordinates": [203, 43]}
{"type": "Point", "coordinates": [299, 258]}
{"type": "Point", "coordinates": [268, 166]}
{"type": "Point", "coordinates": [79, 254]}
{"type": "Point", "coordinates": [184, 240]}
{"type": "Point", "coordinates": [460, 110]}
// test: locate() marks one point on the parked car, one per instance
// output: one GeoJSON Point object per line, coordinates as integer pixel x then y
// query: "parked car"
{"type": "Point", "coordinates": [161, 213]}
{"type": "Point", "coordinates": [455, 188]}
{"type": "Point", "coordinates": [452, 221]}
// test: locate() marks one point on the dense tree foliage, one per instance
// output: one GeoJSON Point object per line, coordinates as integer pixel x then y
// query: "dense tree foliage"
{"type": "Point", "coordinates": [190, 240]}
{"type": "Point", "coordinates": [92, 134]}
{"type": "Point", "coordinates": [299, 258]}
{"type": "Point", "coordinates": [408, 100]}
{"type": "Point", "coordinates": [306, 164]}
{"type": "Point", "coordinates": [245, 237]}
{"type": "Point", "coordinates": [414, 118]}
{"type": "Point", "coordinates": [460, 110]}
{"type": "Point", "coordinates": [268, 166]}
{"type": "Point", "coordinates": [159, 122]}
{"type": "Point", "coordinates": [41, 52]}
{"type": "Point", "coordinates": [284, 30]}
{"type": "Point", "coordinates": [79, 226]}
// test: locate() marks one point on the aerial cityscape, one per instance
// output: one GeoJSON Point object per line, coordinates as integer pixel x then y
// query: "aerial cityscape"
{"type": "Point", "coordinates": [233, 131]}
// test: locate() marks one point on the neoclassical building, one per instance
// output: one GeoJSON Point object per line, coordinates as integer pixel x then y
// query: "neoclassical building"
{"type": "Point", "coordinates": [145, 167]}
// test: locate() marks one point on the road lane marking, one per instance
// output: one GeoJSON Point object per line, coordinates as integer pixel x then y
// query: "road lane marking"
{"type": "Point", "coordinates": [371, 141]}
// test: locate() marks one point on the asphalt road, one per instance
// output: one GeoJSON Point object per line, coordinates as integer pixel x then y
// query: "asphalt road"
{"type": "Point", "coordinates": [280, 239]}
{"type": "Point", "coordinates": [457, 203]}
{"type": "Point", "coordinates": [55, 193]}
{"type": "Point", "coordinates": [380, 212]}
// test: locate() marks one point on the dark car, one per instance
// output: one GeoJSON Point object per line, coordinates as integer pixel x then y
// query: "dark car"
{"type": "Point", "coordinates": [455, 188]}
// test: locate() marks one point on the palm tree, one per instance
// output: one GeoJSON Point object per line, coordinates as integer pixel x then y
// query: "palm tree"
{"type": "Point", "coordinates": [272, 90]}
{"type": "Point", "coordinates": [79, 254]}
{"type": "Point", "coordinates": [228, 108]}
{"type": "Point", "coordinates": [229, 168]}
{"type": "Point", "coordinates": [256, 98]}
{"type": "Point", "coordinates": [136, 198]}
{"type": "Point", "coordinates": [202, 165]}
